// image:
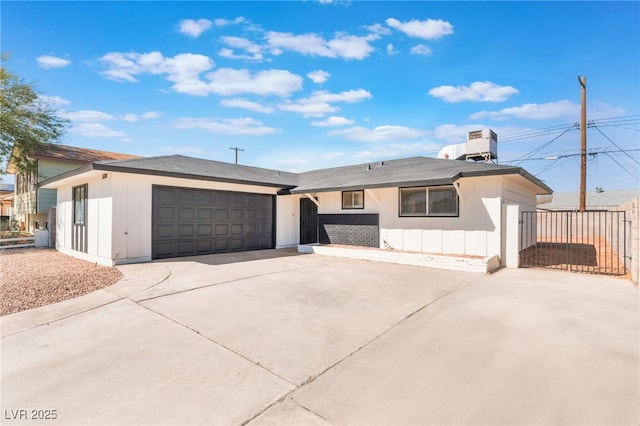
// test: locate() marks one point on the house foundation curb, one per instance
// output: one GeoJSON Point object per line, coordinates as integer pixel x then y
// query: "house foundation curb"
{"type": "Point", "coordinates": [467, 264]}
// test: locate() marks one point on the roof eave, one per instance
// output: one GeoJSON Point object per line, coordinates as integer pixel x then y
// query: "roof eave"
{"type": "Point", "coordinates": [131, 170]}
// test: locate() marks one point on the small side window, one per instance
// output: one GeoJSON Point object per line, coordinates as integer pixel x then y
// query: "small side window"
{"type": "Point", "coordinates": [353, 199]}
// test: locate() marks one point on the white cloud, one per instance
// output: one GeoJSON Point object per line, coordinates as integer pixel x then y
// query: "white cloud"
{"type": "Point", "coordinates": [194, 28]}
{"type": "Point", "coordinates": [96, 130]}
{"type": "Point", "coordinates": [430, 29]}
{"type": "Point", "coordinates": [183, 149]}
{"type": "Point", "coordinates": [562, 108]}
{"type": "Point", "coordinates": [183, 70]}
{"type": "Point", "coordinates": [378, 29]}
{"type": "Point", "coordinates": [48, 61]}
{"type": "Point", "coordinates": [151, 115]}
{"type": "Point", "coordinates": [53, 100]}
{"type": "Point", "coordinates": [146, 116]}
{"type": "Point", "coordinates": [318, 104]}
{"type": "Point", "coordinates": [228, 81]}
{"type": "Point", "coordinates": [226, 22]}
{"type": "Point", "coordinates": [130, 117]}
{"type": "Point", "coordinates": [308, 109]}
{"type": "Point", "coordinates": [349, 96]}
{"type": "Point", "coordinates": [333, 121]}
{"type": "Point", "coordinates": [380, 133]}
{"type": "Point", "coordinates": [421, 49]}
{"type": "Point", "coordinates": [479, 91]}
{"type": "Point", "coordinates": [86, 115]}
{"type": "Point", "coordinates": [343, 46]}
{"type": "Point", "coordinates": [254, 51]}
{"type": "Point", "coordinates": [226, 126]}
{"type": "Point", "coordinates": [391, 50]}
{"type": "Point", "coordinates": [319, 76]}
{"type": "Point", "coordinates": [246, 104]}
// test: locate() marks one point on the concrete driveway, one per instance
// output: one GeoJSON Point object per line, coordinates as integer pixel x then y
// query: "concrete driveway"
{"type": "Point", "coordinates": [274, 337]}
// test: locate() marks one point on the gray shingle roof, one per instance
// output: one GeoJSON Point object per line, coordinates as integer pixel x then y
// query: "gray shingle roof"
{"type": "Point", "coordinates": [414, 171]}
{"type": "Point", "coordinates": [198, 168]}
{"type": "Point", "coordinates": [595, 200]}
{"type": "Point", "coordinates": [405, 172]}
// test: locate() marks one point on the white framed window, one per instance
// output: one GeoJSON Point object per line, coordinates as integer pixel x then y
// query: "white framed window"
{"type": "Point", "coordinates": [428, 201]}
{"type": "Point", "coordinates": [79, 204]}
{"type": "Point", "coordinates": [353, 200]}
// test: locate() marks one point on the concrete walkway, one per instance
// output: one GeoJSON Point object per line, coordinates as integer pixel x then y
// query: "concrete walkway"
{"type": "Point", "coordinates": [274, 337]}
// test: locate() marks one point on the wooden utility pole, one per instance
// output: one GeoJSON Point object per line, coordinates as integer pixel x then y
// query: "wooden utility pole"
{"type": "Point", "coordinates": [583, 143]}
{"type": "Point", "coordinates": [236, 149]}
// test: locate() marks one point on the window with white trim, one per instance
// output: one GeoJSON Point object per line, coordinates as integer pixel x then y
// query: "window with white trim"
{"type": "Point", "coordinates": [429, 201]}
{"type": "Point", "coordinates": [79, 204]}
{"type": "Point", "coordinates": [353, 199]}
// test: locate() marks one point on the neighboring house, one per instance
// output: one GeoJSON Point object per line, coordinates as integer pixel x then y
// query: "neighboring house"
{"type": "Point", "coordinates": [30, 204]}
{"type": "Point", "coordinates": [600, 200]}
{"type": "Point", "coordinates": [6, 202]}
{"type": "Point", "coordinates": [6, 199]}
{"type": "Point", "coordinates": [114, 212]}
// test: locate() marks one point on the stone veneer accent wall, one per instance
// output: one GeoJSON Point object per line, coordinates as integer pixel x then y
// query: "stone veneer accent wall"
{"type": "Point", "coordinates": [349, 229]}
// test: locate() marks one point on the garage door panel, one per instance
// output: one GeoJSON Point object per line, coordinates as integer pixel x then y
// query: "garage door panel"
{"type": "Point", "coordinates": [186, 231]}
{"type": "Point", "coordinates": [237, 215]}
{"type": "Point", "coordinates": [186, 247]}
{"type": "Point", "coordinates": [164, 197]}
{"type": "Point", "coordinates": [186, 214]}
{"type": "Point", "coordinates": [221, 230]}
{"type": "Point", "coordinates": [165, 249]}
{"type": "Point", "coordinates": [204, 230]}
{"type": "Point", "coordinates": [189, 221]}
{"type": "Point", "coordinates": [222, 215]}
{"type": "Point", "coordinates": [205, 246]}
{"type": "Point", "coordinates": [206, 198]}
{"type": "Point", "coordinates": [187, 197]}
{"type": "Point", "coordinates": [205, 215]}
{"type": "Point", "coordinates": [164, 231]}
{"type": "Point", "coordinates": [165, 213]}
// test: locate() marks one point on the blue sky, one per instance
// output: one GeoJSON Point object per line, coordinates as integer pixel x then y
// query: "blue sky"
{"type": "Point", "coordinates": [307, 85]}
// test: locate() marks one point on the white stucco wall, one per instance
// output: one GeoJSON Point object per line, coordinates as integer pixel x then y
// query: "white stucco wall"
{"type": "Point", "coordinates": [476, 231]}
{"type": "Point", "coordinates": [287, 221]}
{"type": "Point", "coordinates": [120, 213]}
{"type": "Point", "coordinates": [99, 220]}
{"type": "Point", "coordinates": [132, 210]}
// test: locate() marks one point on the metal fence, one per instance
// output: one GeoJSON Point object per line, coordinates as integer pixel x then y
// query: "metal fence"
{"type": "Point", "coordinates": [592, 242]}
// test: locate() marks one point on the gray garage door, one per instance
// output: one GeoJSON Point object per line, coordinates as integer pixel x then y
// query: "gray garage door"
{"type": "Point", "coordinates": [190, 221]}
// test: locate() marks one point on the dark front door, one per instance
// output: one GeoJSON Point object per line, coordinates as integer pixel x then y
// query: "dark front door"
{"type": "Point", "coordinates": [308, 221]}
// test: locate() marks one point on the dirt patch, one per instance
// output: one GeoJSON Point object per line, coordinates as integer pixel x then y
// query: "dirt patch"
{"type": "Point", "coordinates": [592, 255]}
{"type": "Point", "coordinates": [36, 277]}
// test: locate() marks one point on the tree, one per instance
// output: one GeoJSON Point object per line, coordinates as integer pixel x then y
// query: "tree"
{"type": "Point", "coordinates": [26, 121]}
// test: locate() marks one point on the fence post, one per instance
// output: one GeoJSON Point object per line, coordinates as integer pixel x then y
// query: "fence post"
{"type": "Point", "coordinates": [511, 240]}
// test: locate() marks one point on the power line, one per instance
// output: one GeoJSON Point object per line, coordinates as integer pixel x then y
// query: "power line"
{"type": "Point", "coordinates": [556, 157]}
{"type": "Point", "coordinates": [540, 148]}
{"type": "Point", "coordinates": [616, 145]}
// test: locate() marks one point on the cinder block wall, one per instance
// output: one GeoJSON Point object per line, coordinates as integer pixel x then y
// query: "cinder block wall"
{"type": "Point", "coordinates": [349, 229]}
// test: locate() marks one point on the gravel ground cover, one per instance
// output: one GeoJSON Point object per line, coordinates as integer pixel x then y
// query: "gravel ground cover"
{"type": "Point", "coordinates": [40, 276]}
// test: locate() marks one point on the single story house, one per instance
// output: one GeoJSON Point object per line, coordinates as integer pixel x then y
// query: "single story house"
{"type": "Point", "coordinates": [137, 210]}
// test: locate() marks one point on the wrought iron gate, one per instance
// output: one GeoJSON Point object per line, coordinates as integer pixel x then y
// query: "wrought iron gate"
{"type": "Point", "coordinates": [592, 242]}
